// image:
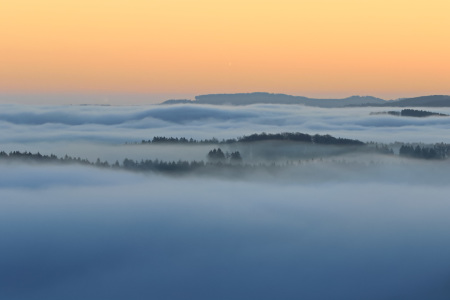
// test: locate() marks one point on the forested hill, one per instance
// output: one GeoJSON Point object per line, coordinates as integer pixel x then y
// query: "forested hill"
{"type": "Point", "coordinates": [216, 160]}
{"type": "Point", "coordinates": [411, 113]}
{"type": "Point", "coordinates": [268, 98]}
{"type": "Point", "coordinates": [424, 101]}
{"type": "Point", "coordinates": [285, 136]}
{"type": "Point", "coordinates": [353, 101]}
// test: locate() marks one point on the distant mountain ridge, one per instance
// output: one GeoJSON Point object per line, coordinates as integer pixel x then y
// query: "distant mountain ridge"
{"type": "Point", "coordinates": [268, 98]}
{"type": "Point", "coordinates": [423, 101]}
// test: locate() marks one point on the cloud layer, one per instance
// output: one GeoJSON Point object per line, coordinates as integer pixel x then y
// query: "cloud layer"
{"type": "Point", "coordinates": [321, 230]}
{"type": "Point", "coordinates": [114, 124]}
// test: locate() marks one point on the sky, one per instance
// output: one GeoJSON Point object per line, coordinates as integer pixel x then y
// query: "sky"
{"type": "Point", "coordinates": [317, 230]}
{"type": "Point", "coordinates": [140, 51]}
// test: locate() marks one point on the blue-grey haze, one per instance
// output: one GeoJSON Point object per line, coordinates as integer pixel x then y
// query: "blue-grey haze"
{"type": "Point", "coordinates": [321, 231]}
{"type": "Point", "coordinates": [90, 131]}
{"type": "Point", "coordinates": [79, 233]}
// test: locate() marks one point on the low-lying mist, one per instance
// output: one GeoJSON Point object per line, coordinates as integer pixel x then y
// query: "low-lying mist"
{"type": "Point", "coordinates": [288, 221]}
{"type": "Point", "coordinates": [69, 232]}
{"type": "Point", "coordinates": [120, 124]}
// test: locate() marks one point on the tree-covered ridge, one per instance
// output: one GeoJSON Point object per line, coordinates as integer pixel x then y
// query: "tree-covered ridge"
{"type": "Point", "coordinates": [52, 158]}
{"type": "Point", "coordinates": [218, 159]}
{"type": "Point", "coordinates": [353, 101]}
{"type": "Point", "coordinates": [436, 151]}
{"type": "Point", "coordinates": [269, 98]}
{"type": "Point", "coordinates": [411, 113]}
{"type": "Point", "coordinates": [420, 113]}
{"type": "Point", "coordinates": [217, 155]}
{"type": "Point", "coordinates": [230, 162]}
{"type": "Point", "coordinates": [285, 136]}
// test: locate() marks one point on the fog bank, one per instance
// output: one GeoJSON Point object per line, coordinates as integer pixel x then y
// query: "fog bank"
{"type": "Point", "coordinates": [120, 124]}
{"type": "Point", "coordinates": [98, 234]}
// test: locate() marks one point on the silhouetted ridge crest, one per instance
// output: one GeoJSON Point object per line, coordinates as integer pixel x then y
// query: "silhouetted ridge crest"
{"type": "Point", "coordinates": [410, 113]}
{"type": "Point", "coordinates": [268, 98]}
{"type": "Point", "coordinates": [423, 101]}
{"type": "Point", "coordinates": [353, 101]}
{"type": "Point", "coordinates": [257, 137]}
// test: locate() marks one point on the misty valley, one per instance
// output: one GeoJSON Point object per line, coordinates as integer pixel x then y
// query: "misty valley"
{"type": "Point", "coordinates": [262, 201]}
{"type": "Point", "coordinates": [298, 155]}
{"type": "Point", "coordinates": [224, 150]}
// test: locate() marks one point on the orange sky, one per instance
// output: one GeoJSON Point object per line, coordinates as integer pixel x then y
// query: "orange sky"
{"type": "Point", "coordinates": [318, 48]}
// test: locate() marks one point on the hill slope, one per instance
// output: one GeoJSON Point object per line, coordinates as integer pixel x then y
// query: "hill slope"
{"type": "Point", "coordinates": [354, 101]}
{"type": "Point", "coordinates": [423, 101]}
{"type": "Point", "coordinates": [267, 98]}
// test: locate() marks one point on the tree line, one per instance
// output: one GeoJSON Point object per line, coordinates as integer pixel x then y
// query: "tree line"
{"type": "Point", "coordinates": [217, 155]}
{"type": "Point", "coordinates": [410, 113]}
{"type": "Point", "coordinates": [257, 137]}
{"type": "Point", "coordinates": [214, 157]}
{"type": "Point", "coordinates": [436, 151]}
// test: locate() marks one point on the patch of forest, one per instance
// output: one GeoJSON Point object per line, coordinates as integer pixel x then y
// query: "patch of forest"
{"type": "Point", "coordinates": [285, 136]}
{"type": "Point", "coordinates": [410, 113]}
{"type": "Point", "coordinates": [218, 161]}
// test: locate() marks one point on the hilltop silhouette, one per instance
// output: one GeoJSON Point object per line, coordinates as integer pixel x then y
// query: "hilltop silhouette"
{"type": "Point", "coordinates": [358, 101]}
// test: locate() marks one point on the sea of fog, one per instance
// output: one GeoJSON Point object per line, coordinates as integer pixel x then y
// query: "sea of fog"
{"type": "Point", "coordinates": [120, 124]}
{"type": "Point", "coordinates": [321, 230]}
{"type": "Point", "coordinates": [102, 131]}
{"type": "Point", "coordinates": [70, 232]}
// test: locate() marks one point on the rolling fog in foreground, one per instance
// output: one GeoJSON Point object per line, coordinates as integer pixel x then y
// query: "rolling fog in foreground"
{"type": "Point", "coordinates": [71, 232]}
{"type": "Point", "coordinates": [375, 228]}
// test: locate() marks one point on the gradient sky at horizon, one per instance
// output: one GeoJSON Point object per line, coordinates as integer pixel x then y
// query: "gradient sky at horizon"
{"type": "Point", "coordinates": [177, 49]}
